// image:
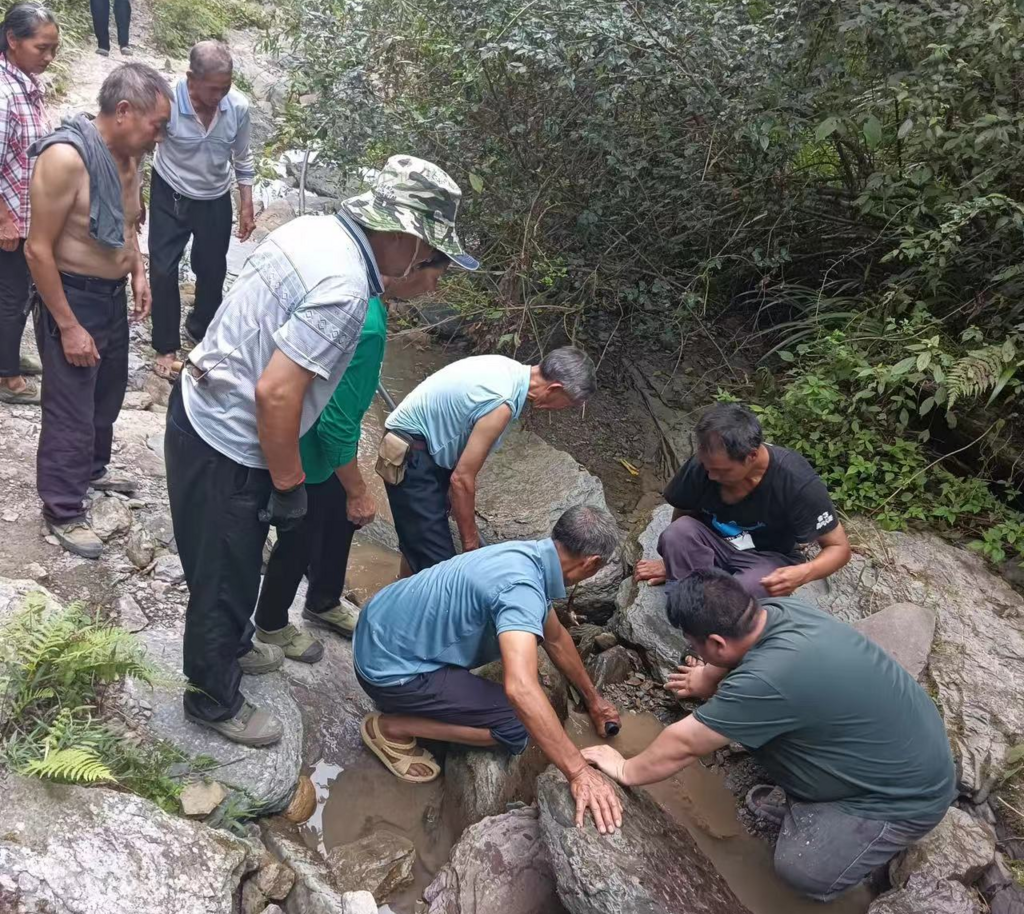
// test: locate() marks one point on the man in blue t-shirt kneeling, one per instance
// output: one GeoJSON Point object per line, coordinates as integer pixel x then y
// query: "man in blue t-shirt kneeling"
{"type": "Point", "coordinates": [855, 744]}
{"type": "Point", "coordinates": [417, 640]}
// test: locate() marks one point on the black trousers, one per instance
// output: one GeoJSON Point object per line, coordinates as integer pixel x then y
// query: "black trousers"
{"type": "Point", "coordinates": [14, 306]}
{"type": "Point", "coordinates": [214, 510]}
{"type": "Point", "coordinates": [319, 549]}
{"type": "Point", "coordinates": [80, 405]}
{"type": "Point", "coordinates": [172, 220]}
{"type": "Point", "coordinates": [101, 21]}
{"type": "Point", "coordinates": [420, 507]}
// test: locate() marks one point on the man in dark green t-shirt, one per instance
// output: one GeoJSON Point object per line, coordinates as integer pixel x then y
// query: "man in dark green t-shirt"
{"type": "Point", "coordinates": [339, 502]}
{"type": "Point", "coordinates": [857, 746]}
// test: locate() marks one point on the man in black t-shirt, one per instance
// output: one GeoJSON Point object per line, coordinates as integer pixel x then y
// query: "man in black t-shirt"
{"type": "Point", "coordinates": [748, 508]}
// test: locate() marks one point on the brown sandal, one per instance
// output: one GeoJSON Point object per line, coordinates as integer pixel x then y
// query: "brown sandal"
{"type": "Point", "coordinates": [392, 754]}
{"type": "Point", "coordinates": [168, 374]}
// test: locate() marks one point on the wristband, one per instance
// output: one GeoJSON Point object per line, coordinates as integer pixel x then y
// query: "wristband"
{"type": "Point", "coordinates": [291, 489]}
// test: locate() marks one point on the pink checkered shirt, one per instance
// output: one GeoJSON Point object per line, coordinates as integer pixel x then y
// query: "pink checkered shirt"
{"type": "Point", "coordinates": [23, 120]}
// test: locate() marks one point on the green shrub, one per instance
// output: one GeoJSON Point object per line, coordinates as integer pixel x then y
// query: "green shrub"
{"type": "Point", "coordinates": [179, 24]}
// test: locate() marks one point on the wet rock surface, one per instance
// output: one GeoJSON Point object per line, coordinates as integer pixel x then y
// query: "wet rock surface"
{"type": "Point", "coordinates": [923, 896]}
{"type": "Point", "coordinates": [379, 864]}
{"type": "Point", "coordinates": [960, 847]}
{"type": "Point", "coordinates": [905, 631]}
{"type": "Point", "coordinates": [313, 892]}
{"type": "Point", "coordinates": [267, 775]}
{"type": "Point", "coordinates": [650, 864]}
{"type": "Point", "coordinates": [640, 618]}
{"type": "Point", "coordinates": [500, 864]}
{"type": "Point", "coordinates": [89, 849]}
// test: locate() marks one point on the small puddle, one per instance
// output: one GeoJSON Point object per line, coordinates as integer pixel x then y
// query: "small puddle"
{"type": "Point", "coordinates": [698, 799]}
{"type": "Point", "coordinates": [365, 799]}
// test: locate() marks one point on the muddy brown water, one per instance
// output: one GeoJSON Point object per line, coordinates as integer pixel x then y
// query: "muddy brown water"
{"type": "Point", "coordinates": [358, 796]}
{"type": "Point", "coordinates": [698, 799]}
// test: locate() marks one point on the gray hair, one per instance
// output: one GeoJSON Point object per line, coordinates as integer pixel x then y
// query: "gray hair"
{"type": "Point", "coordinates": [23, 21]}
{"type": "Point", "coordinates": [732, 427]}
{"type": "Point", "coordinates": [573, 369]}
{"type": "Point", "coordinates": [136, 83]}
{"type": "Point", "coordinates": [584, 530]}
{"type": "Point", "coordinates": [209, 57]}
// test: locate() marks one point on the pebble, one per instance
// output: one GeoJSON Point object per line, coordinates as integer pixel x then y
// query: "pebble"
{"type": "Point", "coordinates": [11, 517]}
{"type": "Point", "coordinates": [136, 503]}
{"type": "Point", "coordinates": [52, 540]}
{"type": "Point", "coordinates": [131, 616]}
{"type": "Point", "coordinates": [36, 571]}
{"type": "Point", "coordinates": [158, 587]}
{"type": "Point", "coordinates": [202, 798]}
{"type": "Point", "coordinates": [168, 568]}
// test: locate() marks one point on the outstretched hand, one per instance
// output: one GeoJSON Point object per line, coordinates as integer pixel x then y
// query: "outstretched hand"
{"type": "Point", "coordinates": [592, 791]}
{"type": "Point", "coordinates": [691, 680]}
{"type": "Point", "coordinates": [650, 570]}
{"type": "Point", "coordinates": [608, 760]}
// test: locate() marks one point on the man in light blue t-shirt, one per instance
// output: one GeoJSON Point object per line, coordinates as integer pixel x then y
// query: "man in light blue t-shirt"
{"type": "Point", "coordinates": [453, 420]}
{"type": "Point", "coordinates": [417, 640]}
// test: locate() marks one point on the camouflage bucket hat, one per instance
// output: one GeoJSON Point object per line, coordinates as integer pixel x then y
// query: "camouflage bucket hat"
{"type": "Point", "coordinates": [415, 197]}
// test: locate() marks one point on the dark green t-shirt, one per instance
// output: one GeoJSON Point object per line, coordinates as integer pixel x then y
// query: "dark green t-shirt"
{"type": "Point", "coordinates": [833, 718]}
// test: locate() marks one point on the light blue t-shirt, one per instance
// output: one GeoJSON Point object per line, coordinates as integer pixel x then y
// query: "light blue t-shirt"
{"type": "Point", "coordinates": [451, 614]}
{"type": "Point", "coordinates": [444, 408]}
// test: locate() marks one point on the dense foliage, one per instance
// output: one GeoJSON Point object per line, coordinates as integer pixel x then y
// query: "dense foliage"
{"type": "Point", "coordinates": [179, 24]}
{"type": "Point", "coordinates": [844, 176]}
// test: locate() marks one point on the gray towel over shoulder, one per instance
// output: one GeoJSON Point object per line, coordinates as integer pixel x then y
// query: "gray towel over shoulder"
{"type": "Point", "coordinates": [106, 205]}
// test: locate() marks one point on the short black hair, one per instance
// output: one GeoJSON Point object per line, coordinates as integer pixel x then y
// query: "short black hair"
{"type": "Point", "coordinates": [711, 602]}
{"type": "Point", "coordinates": [731, 426]}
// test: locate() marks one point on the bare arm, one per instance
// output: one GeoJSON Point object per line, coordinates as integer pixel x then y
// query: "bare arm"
{"type": "Point", "coordinates": [675, 748]}
{"type": "Point", "coordinates": [835, 553]}
{"type": "Point", "coordinates": [359, 504]}
{"type": "Point", "coordinates": [590, 790]}
{"type": "Point", "coordinates": [487, 430]}
{"type": "Point", "coordinates": [279, 394]}
{"type": "Point", "coordinates": [560, 648]}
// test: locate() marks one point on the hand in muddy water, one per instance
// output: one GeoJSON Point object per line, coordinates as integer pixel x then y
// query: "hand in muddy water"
{"type": "Point", "coordinates": [692, 680]}
{"type": "Point", "coordinates": [592, 791]}
{"type": "Point", "coordinates": [650, 570]}
{"type": "Point", "coordinates": [604, 714]}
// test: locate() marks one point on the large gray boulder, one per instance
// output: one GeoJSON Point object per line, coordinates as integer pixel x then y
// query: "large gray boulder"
{"type": "Point", "coordinates": [649, 865]}
{"type": "Point", "coordinates": [905, 631]}
{"type": "Point", "coordinates": [977, 660]}
{"type": "Point", "coordinates": [79, 850]}
{"type": "Point", "coordinates": [640, 618]}
{"type": "Point", "coordinates": [960, 847]}
{"type": "Point", "coordinates": [924, 896]}
{"type": "Point", "coordinates": [499, 865]}
{"type": "Point", "coordinates": [524, 487]}
{"type": "Point", "coordinates": [267, 775]}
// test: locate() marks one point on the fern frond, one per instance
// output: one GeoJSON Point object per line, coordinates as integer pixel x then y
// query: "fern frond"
{"type": "Point", "coordinates": [975, 373]}
{"type": "Point", "coordinates": [76, 765]}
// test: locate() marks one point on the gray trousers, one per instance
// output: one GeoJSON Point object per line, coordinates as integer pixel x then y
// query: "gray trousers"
{"type": "Point", "coordinates": [823, 851]}
{"type": "Point", "coordinates": [688, 545]}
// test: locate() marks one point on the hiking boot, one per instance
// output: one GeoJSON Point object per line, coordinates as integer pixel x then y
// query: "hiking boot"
{"type": "Point", "coordinates": [126, 51]}
{"type": "Point", "coordinates": [249, 727]}
{"type": "Point", "coordinates": [103, 52]}
{"type": "Point", "coordinates": [29, 395]}
{"type": "Point", "coordinates": [30, 365]}
{"type": "Point", "coordinates": [341, 618]}
{"type": "Point", "coordinates": [261, 658]}
{"type": "Point", "coordinates": [295, 644]}
{"type": "Point", "coordinates": [77, 537]}
{"type": "Point", "coordinates": [767, 802]}
{"type": "Point", "coordinates": [111, 482]}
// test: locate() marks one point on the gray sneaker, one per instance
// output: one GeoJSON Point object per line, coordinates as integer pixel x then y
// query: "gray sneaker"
{"type": "Point", "coordinates": [341, 618]}
{"type": "Point", "coordinates": [30, 364]}
{"type": "Point", "coordinates": [249, 727]}
{"type": "Point", "coordinates": [29, 395]}
{"type": "Point", "coordinates": [261, 658]}
{"type": "Point", "coordinates": [77, 537]}
{"type": "Point", "coordinates": [111, 482]}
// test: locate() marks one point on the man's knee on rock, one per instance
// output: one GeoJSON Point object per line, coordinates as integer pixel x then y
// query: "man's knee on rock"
{"type": "Point", "coordinates": [681, 533]}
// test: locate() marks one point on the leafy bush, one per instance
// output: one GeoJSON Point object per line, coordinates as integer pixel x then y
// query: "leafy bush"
{"type": "Point", "coordinates": [56, 667]}
{"type": "Point", "coordinates": [179, 24]}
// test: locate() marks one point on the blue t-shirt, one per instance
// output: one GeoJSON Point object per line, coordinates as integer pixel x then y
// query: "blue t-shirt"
{"type": "Point", "coordinates": [451, 614]}
{"type": "Point", "coordinates": [444, 408]}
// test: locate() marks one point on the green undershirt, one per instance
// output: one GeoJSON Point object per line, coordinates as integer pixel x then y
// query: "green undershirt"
{"type": "Point", "coordinates": [333, 440]}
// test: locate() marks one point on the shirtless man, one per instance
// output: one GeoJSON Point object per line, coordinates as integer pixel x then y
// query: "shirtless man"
{"type": "Point", "coordinates": [82, 249]}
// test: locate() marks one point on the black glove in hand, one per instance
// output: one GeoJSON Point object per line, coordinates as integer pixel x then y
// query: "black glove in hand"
{"type": "Point", "coordinates": [286, 509]}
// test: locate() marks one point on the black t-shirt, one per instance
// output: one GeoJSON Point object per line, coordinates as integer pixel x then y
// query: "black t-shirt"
{"type": "Point", "coordinates": [789, 506]}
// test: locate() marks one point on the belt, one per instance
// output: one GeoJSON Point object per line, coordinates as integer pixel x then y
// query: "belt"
{"type": "Point", "coordinates": [93, 283]}
{"type": "Point", "coordinates": [417, 443]}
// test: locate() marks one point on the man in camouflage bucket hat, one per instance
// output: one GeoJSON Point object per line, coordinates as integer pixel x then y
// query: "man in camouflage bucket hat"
{"type": "Point", "coordinates": [417, 198]}
{"type": "Point", "coordinates": [268, 365]}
